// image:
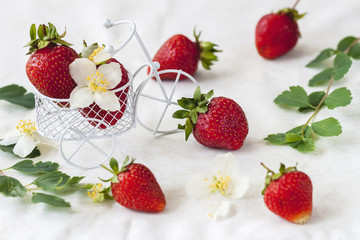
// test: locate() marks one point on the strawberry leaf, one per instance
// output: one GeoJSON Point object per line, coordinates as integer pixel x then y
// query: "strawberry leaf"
{"type": "Point", "coordinates": [296, 97]}
{"type": "Point", "coordinates": [329, 127]}
{"type": "Point", "coordinates": [278, 138]}
{"type": "Point", "coordinates": [342, 64]}
{"type": "Point", "coordinates": [354, 51]}
{"type": "Point", "coordinates": [16, 94]}
{"type": "Point", "coordinates": [29, 167]}
{"type": "Point", "coordinates": [345, 43]}
{"type": "Point", "coordinates": [292, 137]}
{"type": "Point", "coordinates": [340, 97]}
{"type": "Point", "coordinates": [325, 54]}
{"type": "Point", "coordinates": [11, 187]}
{"type": "Point", "coordinates": [49, 199]}
{"type": "Point", "coordinates": [322, 77]}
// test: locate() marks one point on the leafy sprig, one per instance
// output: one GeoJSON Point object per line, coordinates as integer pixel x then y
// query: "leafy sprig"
{"type": "Point", "coordinates": [48, 179]}
{"type": "Point", "coordinates": [302, 137]}
{"type": "Point", "coordinates": [18, 95]}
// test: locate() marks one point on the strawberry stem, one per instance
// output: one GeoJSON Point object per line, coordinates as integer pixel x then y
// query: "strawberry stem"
{"type": "Point", "coordinates": [295, 4]}
{"type": "Point", "coordinates": [269, 170]}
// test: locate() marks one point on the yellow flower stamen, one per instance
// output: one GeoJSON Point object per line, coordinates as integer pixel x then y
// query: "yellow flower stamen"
{"type": "Point", "coordinates": [26, 127]}
{"type": "Point", "coordinates": [95, 192]}
{"type": "Point", "coordinates": [97, 82]}
{"type": "Point", "coordinates": [96, 52]}
{"type": "Point", "coordinates": [220, 184]}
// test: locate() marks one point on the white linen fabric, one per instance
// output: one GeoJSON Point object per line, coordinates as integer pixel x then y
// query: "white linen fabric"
{"type": "Point", "coordinates": [240, 74]}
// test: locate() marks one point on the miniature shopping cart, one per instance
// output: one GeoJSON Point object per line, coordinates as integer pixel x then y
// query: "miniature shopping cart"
{"type": "Point", "coordinates": [56, 119]}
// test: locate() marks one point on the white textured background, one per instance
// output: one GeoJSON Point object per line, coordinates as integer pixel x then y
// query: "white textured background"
{"type": "Point", "coordinates": [241, 74]}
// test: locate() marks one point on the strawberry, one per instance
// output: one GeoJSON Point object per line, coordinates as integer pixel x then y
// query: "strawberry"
{"type": "Point", "coordinates": [289, 194]}
{"type": "Point", "coordinates": [134, 186]}
{"type": "Point", "coordinates": [110, 117]}
{"type": "Point", "coordinates": [48, 66]}
{"type": "Point", "coordinates": [179, 52]}
{"type": "Point", "coordinates": [219, 124]}
{"type": "Point", "coordinates": [277, 33]}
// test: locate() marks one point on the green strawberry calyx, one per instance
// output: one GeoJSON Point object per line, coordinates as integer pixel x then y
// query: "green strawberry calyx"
{"type": "Point", "coordinates": [293, 13]}
{"type": "Point", "coordinates": [272, 176]}
{"type": "Point", "coordinates": [207, 51]}
{"type": "Point", "coordinates": [43, 36]}
{"type": "Point", "coordinates": [193, 106]}
{"type": "Point", "coordinates": [114, 168]}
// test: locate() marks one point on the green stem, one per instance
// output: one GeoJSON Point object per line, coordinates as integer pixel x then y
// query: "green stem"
{"type": "Point", "coordinates": [318, 107]}
{"type": "Point", "coordinates": [269, 170]}
{"type": "Point", "coordinates": [295, 4]}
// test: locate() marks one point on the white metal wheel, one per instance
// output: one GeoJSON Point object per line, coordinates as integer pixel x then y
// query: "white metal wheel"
{"type": "Point", "coordinates": [160, 98]}
{"type": "Point", "coordinates": [75, 151]}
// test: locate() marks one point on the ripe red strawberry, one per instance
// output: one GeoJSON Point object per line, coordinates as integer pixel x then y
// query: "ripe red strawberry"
{"type": "Point", "coordinates": [110, 117]}
{"type": "Point", "coordinates": [48, 66]}
{"type": "Point", "coordinates": [277, 33]}
{"type": "Point", "coordinates": [220, 124]}
{"type": "Point", "coordinates": [289, 194]}
{"type": "Point", "coordinates": [134, 186]}
{"type": "Point", "coordinates": [179, 52]}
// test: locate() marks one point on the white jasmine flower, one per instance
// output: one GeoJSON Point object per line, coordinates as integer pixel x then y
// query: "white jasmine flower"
{"type": "Point", "coordinates": [25, 138]}
{"type": "Point", "coordinates": [94, 84]}
{"type": "Point", "coordinates": [223, 184]}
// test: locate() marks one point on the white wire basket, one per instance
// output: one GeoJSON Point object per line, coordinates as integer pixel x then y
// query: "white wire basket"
{"type": "Point", "coordinates": [57, 120]}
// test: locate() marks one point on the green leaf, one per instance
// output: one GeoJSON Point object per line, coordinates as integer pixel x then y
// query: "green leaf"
{"type": "Point", "coordinates": [187, 103]}
{"type": "Point", "coordinates": [29, 167]}
{"type": "Point", "coordinates": [50, 181]}
{"type": "Point", "coordinates": [278, 138]}
{"type": "Point", "coordinates": [322, 77]}
{"type": "Point", "coordinates": [315, 99]}
{"type": "Point", "coordinates": [340, 97]}
{"type": "Point", "coordinates": [328, 127]}
{"type": "Point", "coordinates": [306, 145]}
{"type": "Point", "coordinates": [74, 181]}
{"type": "Point", "coordinates": [296, 97]}
{"type": "Point", "coordinates": [188, 128]}
{"type": "Point", "coordinates": [15, 94]}
{"type": "Point", "coordinates": [209, 94]}
{"type": "Point", "coordinates": [342, 64]}
{"type": "Point", "coordinates": [354, 51]}
{"type": "Point", "coordinates": [296, 129]}
{"type": "Point", "coordinates": [41, 32]}
{"type": "Point", "coordinates": [49, 199]}
{"type": "Point", "coordinates": [345, 43]}
{"type": "Point", "coordinates": [325, 54]}
{"type": "Point", "coordinates": [33, 32]}
{"type": "Point", "coordinates": [11, 187]}
{"type": "Point", "coordinates": [293, 137]}
{"type": "Point", "coordinates": [114, 165]}
{"type": "Point", "coordinates": [197, 94]}
{"type": "Point", "coordinates": [181, 114]}
{"type": "Point", "coordinates": [10, 149]}
{"type": "Point", "coordinates": [193, 116]}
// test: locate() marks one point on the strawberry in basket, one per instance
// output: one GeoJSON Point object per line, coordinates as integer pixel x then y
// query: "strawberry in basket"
{"type": "Point", "coordinates": [48, 65]}
{"type": "Point", "coordinates": [99, 77]}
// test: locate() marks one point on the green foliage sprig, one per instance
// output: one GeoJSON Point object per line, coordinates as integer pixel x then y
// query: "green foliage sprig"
{"type": "Point", "coordinates": [48, 179]}
{"type": "Point", "coordinates": [302, 137]}
{"type": "Point", "coordinates": [16, 94]}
